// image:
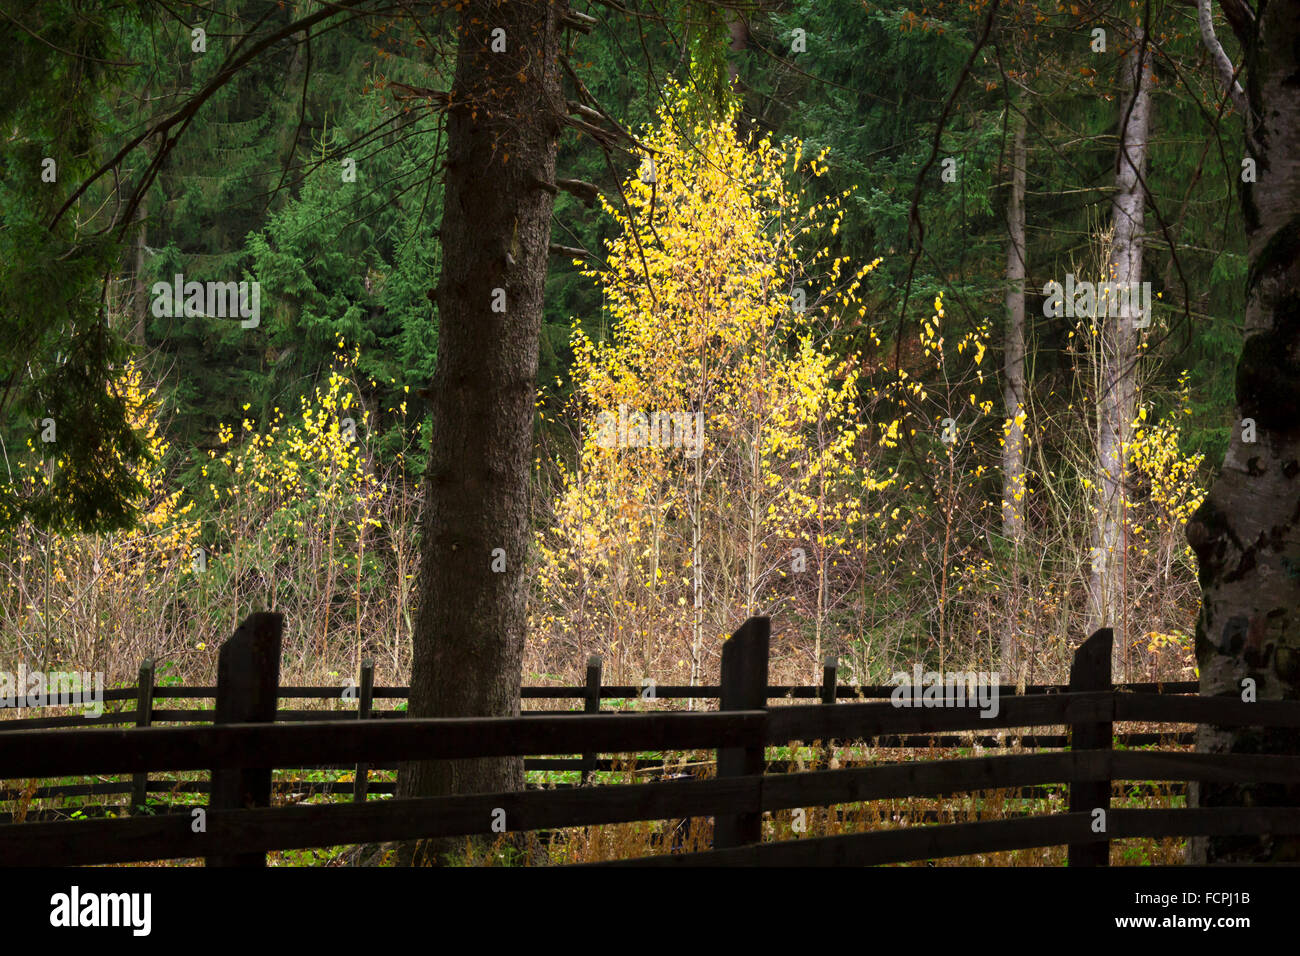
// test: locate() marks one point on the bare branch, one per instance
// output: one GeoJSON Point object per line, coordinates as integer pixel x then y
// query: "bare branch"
{"type": "Point", "coordinates": [584, 111]}
{"type": "Point", "coordinates": [602, 136]}
{"type": "Point", "coordinates": [578, 21]}
{"type": "Point", "coordinates": [438, 96]}
{"type": "Point", "coordinates": [556, 249]}
{"type": "Point", "coordinates": [604, 113]}
{"type": "Point", "coordinates": [182, 117]}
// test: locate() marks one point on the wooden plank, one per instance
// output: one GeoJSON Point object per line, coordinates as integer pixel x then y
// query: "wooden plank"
{"type": "Point", "coordinates": [666, 691]}
{"type": "Point", "coordinates": [255, 831]}
{"type": "Point", "coordinates": [27, 754]}
{"type": "Point", "coordinates": [48, 754]}
{"type": "Point", "coordinates": [964, 839]}
{"type": "Point", "coordinates": [844, 692]}
{"type": "Point", "coordinates": [934, 778]}
{"type": "Point", "coordinates": [67, 790]}
{"type": "Point", "coordinates": [878, 691]}
{"type": "Point", "coordinates": [744, 687]}
{"type": "Point", "coordinates": [1225, 768]}
{"type": "Point", "coordinates": [48, 723]}
{"type": "Point", "coordinates": [204, 716]}
{"type": "Point", "coordinates": [888, 846]}
{"type": "Point", "coordinates": [1023, 772]}
{"type": "Point", "coordinates": [856, 721]}
{"type": "Point", "coordinates": [1229, 711]}
{"type": "Point", "coordinates": [626, 691]}
{"type": "Point", "coordinates": [40, 703]}
{"type": "Point", "coordinates": [1090, 671]}
{"type": "Point", "coordinates": [248, 673]}
{"type": "Point", "coordinates": [1203, 821]}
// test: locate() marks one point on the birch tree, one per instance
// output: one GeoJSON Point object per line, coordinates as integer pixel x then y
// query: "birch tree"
{"type": "Point", "coordinates": [1246, 534]}
{"type": "Point", "coordinates": [1117, 399]}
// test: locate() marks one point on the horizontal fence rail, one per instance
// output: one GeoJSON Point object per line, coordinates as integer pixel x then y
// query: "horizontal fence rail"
{"type": "Point", "coordinates": [260, 830]}
{"type": "Point", "coordinates": [240, 826]}
{"type": "Point", "coordinates": [55, 753]}
{"type": "Point", "coordinates": [607, 692]}
{"type": "Point", "coordinates": [146, 713]}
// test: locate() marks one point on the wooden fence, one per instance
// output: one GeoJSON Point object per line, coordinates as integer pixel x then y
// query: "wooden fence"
{"type": "Point", "coordinates": [239, 826]}
{"type": "Point", "coordinates": [364, 693]}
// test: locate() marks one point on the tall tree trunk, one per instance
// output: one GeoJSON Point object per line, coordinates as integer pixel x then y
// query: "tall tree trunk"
{"type": "Point", "coordinates": [738, 34]}
{"type": "Point", "coordinates": [1246, 534]}
{"type": "Point", "coordinates": [503, 122]}
{"type": "Point", "coordinates": [1013, 385]}
{"type": "Point", "coordinates": [1116, 405]}
{"type": "Point", "coordinates": [140, 301]}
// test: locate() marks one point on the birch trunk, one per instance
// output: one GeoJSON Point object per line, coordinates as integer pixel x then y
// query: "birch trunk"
{"type": "Point", "coordinates": [1013, 384]}
{"type": "Point", "coordinates": [1116, 403]}
{"type": "Point", "coordinates": [1246, 534]}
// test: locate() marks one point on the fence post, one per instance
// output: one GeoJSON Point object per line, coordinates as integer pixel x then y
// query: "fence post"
{"type": "Point", "coordinates": [591, 705]}
{"type": "Point", "coordinates": [248, 681]}
{"type": "Point", "coordinates": [829, 669]}
{"type": "Point", "coordinates": [744, 687]}
{"type": "Point", "coordinates": [1091, 672]}
{"type": "Point", "coordinates": [364, 704]}
{"type": "Point", "coordinates": [143, 718]}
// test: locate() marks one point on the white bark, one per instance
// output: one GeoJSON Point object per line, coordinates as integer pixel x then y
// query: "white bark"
{"type": "Point", "coordinates": [1013, 383]}
{"type": "Point", "coordinates": [1116, 404]}
{"type": "Point", "coordinates": [1227, 75]}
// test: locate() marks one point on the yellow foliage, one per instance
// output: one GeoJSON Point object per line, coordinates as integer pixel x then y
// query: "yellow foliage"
{"type": "Point", "coordinates": [713, 314]}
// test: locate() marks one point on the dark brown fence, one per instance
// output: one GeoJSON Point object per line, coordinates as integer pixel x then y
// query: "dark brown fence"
{"type": "Point", "coordinates": [239, 826]}
{"type": "Point", "coordinates": [146, 713]}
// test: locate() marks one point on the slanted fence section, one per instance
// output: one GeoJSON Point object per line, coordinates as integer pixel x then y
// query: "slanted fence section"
{"type": "Point", "coordinates": [741, 794]}
{"type": "Point", "coordinates": [158, 794]}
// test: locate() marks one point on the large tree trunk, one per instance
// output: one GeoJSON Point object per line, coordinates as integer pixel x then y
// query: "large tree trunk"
{"type": "Point", "coordinates": [738, 33]}
{"type": "Point", "coordinates": [1013, 387]}
{"type": "Point", "coordinates": [140, 301]}
{"type": "Point", "coordinates": [1247, 532]}
{"type": "Point", "coordinates": [1116, 405]}
{"type": "Point", "coordinates": [504, 119]}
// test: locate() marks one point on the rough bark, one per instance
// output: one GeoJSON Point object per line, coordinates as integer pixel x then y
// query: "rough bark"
{"type": "Point", "coordinates": [504, 118]}
{"type": "Point", "coordinates": [1116, 404]}
{"type": "Point", "coordinates": [1246, 534]}
{"type": "Point", "coordinates": [1013, 382]}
